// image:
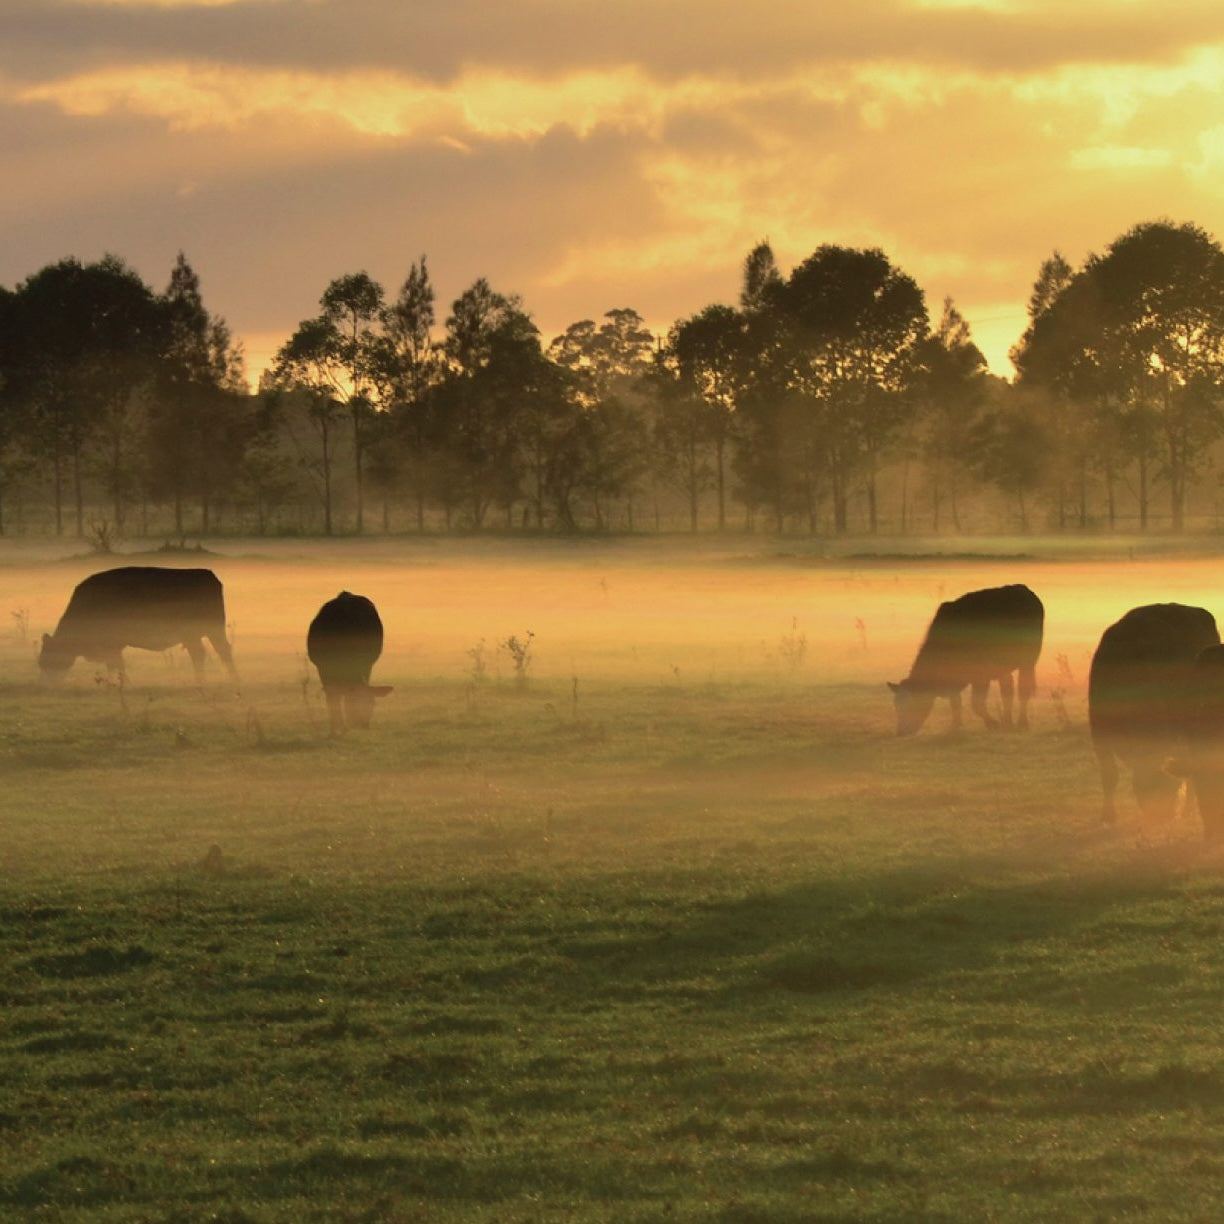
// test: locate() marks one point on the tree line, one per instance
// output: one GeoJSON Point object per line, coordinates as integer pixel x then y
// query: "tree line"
{"type": "Point", "coordinates": [826, 400]}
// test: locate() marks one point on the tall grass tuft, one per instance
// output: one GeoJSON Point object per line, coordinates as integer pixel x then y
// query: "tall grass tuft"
{"type": "Point", "coordinates": [519, 650]}
{"type": "Point", "coordinates": [792, 646]}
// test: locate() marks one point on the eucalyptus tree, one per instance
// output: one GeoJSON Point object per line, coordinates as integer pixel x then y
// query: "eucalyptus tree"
{"type": "Point", "coordinates": [336, 358]}
{"type": "Point", "coordinates": [1138, 333]}
{"type": "Point", "coordinates": [953, 386]}
{"type": "Point", "coordinates": [1162, 290]}
{"type": "Point", "coordinates": [200, 419]}
{"type": "Point", "coordinates": [712, 363]}
{"type": "Point", "coordinates": [15, 422]}
{"type": "Point", "coordinates": [853, 331]}
{"type": "Point", "coordinates": [85, 340]}
{"type": "Point", "coordinates": [266, 478]}
{"type": "Point", "coordinates": [681, 435]}
{"type": "Point", "coordinates": [496, 376]}
{"type": "Point", "coordinates": [1065, 376]}
{"type": "Point", "coordinates": [607, 364]}
{"type": "Point", "coordinates": [301, 387]}
{"type": "Point", "coordinates": [408, 363]}
{"type": "Point", "coordinates": [1012, 449]}
{"type": "Point", "coordinates": [611, 356]}
{"type": "Point", "coordinates": [773, 467]}
{"type": "Point", "coordinates": [761, 280]}
{"type": "Point", "coordinates": [353, 313]}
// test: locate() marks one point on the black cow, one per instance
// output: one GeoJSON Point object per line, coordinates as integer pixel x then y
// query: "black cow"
{"type": "Point", "coordinates": [1203, 764]}
{"type": "Point", "coordinates": [145, 606]}
{"type": "Point", "coordinates": [343, 642]}
{"type": "Point", "coordinates": [1145, 701]}
{"type": "Point", "coordinates": [980, 637]}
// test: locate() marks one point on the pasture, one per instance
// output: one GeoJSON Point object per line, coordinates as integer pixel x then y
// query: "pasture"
{"type": "Point", "coordinates": [629, 907]}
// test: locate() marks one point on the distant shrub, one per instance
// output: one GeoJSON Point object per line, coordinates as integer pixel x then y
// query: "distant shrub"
{"type": "Point", "coordinates": [519, 650]}
{"type": "Point", "coordinates": [480, 664]}
{"type": "Point", "coordinates": [792, 647]}
{"type": "Point", "coordinates": [101, 536]}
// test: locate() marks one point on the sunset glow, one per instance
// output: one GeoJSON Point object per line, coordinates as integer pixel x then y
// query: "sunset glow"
{"type": "Point", "coordinates": [585, 159]}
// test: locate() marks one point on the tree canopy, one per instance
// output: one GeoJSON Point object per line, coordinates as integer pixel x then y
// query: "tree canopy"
{"type": "Point", "coordinates": [824, 398]}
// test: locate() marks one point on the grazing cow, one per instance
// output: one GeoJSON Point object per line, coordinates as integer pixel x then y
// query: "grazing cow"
{"type": "Point", "coordinates": [980, 637]}
{"type": "Point", "coordinates": [1203, 764]}
{"type": "Point", "coordinates": [1145, 701]}
{"type": "Point", "coordinates": [343, 642]}
{"type": "Point", "coordinates": [146, 606]}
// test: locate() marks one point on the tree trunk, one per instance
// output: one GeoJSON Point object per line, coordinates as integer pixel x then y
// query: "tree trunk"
{"type": "Point", "coordinates": [357, 486]}
{"type": "Point", "coordinates": [78, 492]}
{"type": "Point", "coordinates": [692, 487]}
{"type": "Point", "coordinates": [59, 492]}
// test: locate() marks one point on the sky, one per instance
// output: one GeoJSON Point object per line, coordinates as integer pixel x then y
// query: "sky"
{"type": "Point", "coordinates": [592, 156]}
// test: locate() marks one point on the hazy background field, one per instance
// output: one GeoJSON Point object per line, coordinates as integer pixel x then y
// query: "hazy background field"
{"type": "Point", "coordinates": [673, 691]}
{"type": "Point", "coordinates": [629, 612]}
{"type": "Point", "coordinates": [674, 927]}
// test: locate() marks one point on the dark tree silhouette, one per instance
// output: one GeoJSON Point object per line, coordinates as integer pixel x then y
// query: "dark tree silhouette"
{"type": "Point", "coordinates": [1162, 287]}
{"type": "Point", "coordinates": [952, 385]}
{"type": "Point", "coordinates": [84, 345]}
{"type": "Point", "coordinates": [852, 330]}
{"type": "Point", "coordinates": [713, 365]}
{"type": "Point", "coordinates": [197, 426]}
{"type": "Point", "coordinates": [409, 365]}
{"type": "Point", "coordinates": [1135, 342]}
{"type": "Point", "coordinates": [353, 309]}
{"type": "Point", "coordinates": [607, 365]}
{"type": "Point", "coordinates": [495, 362]}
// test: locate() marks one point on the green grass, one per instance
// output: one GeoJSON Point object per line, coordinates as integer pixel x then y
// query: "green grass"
{"type": "Point", "coordinates": [710, 949]}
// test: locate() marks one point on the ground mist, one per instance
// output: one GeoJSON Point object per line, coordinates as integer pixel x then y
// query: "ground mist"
{"type": "Point", "coordinates": [660, 921]}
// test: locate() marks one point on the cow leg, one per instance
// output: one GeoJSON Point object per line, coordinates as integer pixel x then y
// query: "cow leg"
{"type": "Point", "coordinates": [1108, 765]}
{"type": "Point", "coordinates": [1027, 685]}
{"type": "Point", "coordinates": [1007, 690]}
{"type": "Point", "coordinates": [195, 649]}
{"type": "Point", "coordinates": [977, 700]}
{"type": "Point", "coordinates": [335, 710]}
{"type": "Point", "coordinates": [954, 701]}
{"type": "Point", "coordinates": [224, 652]}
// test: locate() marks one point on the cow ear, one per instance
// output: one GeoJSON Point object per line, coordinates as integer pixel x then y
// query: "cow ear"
{"type": "Point", "coordinates": [46, 638]}
{"type": "Point", "coordinates": [380, 690]}
{"type": "Point", "coordinates": [896, 688]}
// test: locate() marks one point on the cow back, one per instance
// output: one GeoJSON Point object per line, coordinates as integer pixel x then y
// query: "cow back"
{"type": "Point", "coordinates": [148, 606]}
{"type": "Point", "coordinates": [982, 634]}
{"type": "Point", "coordinates": [344, 639]}
{"type": "Point", "coordinates": [1142, 682]}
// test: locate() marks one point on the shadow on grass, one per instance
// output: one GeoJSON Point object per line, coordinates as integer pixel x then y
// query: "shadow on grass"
{"type": "Point", "coordinates": [982, 923]}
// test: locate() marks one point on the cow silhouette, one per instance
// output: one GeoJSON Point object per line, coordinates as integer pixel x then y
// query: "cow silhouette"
{"type": "Point", "coordinates": [145, 606]}
{"type": "Point", "coordinates": [981, 637]}
{"type": "Point", "coordinates": [1149, 703]}
{"type": "Point", "coordinates": [343, 642]}
{"type": "Point", "coordinates": [1203, 764]}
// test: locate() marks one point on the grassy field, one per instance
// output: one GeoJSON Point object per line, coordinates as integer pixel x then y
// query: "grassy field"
{"type": "Point", "coordinates": [661, 923]}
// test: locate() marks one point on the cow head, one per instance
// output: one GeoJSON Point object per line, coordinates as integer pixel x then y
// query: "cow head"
{"type": "Point", "coordinates": [54, 659]}
{"type": "Point", "coordinates": [359, 703]}
{"type": "Point", "coordinates": [912, 704]}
